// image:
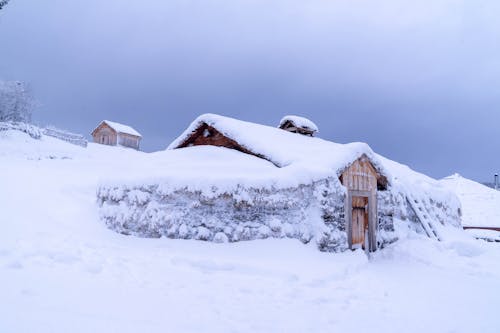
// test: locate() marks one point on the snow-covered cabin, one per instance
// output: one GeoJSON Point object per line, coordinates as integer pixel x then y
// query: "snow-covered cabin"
{"type": "Point", "coordinates": [115, 134]}
{"type": "Point", "coordinates": [225, 179]}
{"type": "Point", "coordinates": [296, 124]}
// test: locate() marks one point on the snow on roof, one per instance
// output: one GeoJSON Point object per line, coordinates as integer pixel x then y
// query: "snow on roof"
{"type": "Point", "coordinates": [283, 148]}
{"type": "Point", "coordinates": [303, 159]}
{"type": "Point", "coordinates": [299, 122]}
{"type": "Point", "coordinates": [120, 128]}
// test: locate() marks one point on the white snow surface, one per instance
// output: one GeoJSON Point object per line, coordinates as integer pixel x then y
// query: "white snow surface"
{"type": "Point", "coordinates": [480, 204]}
{"type": "Point", "coordinates": [300, 122]}
{"type": "Point", "coordinates": [121, 128]}
{"type": "Point", "coordinates": [62, 270]}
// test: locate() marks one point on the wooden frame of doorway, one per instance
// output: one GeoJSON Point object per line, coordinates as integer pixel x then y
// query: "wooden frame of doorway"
{"type": "Point", "coordinates": [372, 217]}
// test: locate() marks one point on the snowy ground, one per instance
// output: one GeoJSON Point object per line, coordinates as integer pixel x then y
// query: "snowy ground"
{"type": "Point", "coordinates": [61, 270]}
{"type": "Point", "coordinates": [480, 204]}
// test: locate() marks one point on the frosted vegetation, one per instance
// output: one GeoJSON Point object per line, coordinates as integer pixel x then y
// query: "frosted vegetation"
{"type": "Point", "coordinates": [16, 110]}
{"type": "Point", "coordinates": [16, 102]}
{"type": "Point", "coordinates": [3, 3]}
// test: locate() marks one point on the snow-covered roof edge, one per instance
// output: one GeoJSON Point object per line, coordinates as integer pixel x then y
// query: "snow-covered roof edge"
{"type": "Point", "coordinates": [312, 152]}
{"type": "Point", "coordinates": [210, 119]}
{"type": "Point", "coordinates": [119, 128]}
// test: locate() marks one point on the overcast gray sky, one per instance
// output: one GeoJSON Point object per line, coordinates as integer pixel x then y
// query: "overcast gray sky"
{"type": "Point", "coordinates": [417, 80]}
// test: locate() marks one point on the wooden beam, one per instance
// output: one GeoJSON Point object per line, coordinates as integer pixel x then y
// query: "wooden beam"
{"type": "Point", "coordinates": [482, 228]}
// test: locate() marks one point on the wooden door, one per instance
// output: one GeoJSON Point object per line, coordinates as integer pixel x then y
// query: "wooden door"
{"type": "Point", "coordinates": [105, 140]}
{"type": "Point", "coordinates": [359, 221]}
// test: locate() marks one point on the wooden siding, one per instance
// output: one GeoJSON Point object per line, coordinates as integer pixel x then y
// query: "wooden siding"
{"type": "Point", "coordinates": [360, 220]}
{"type": "Point", "coordinates": [206, 135]}
{"type": "Point", "coordinates": [105, 135]}
{"type": "Point", "coordinates": [482, 228]}
{"type": "Point", "coordinates": [128, 140]}
{"type": "Point", "coordinates": [360, 176]}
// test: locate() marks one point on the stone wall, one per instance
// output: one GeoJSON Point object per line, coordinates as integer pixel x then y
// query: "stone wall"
{"type": "Point", "coordinates": [308, 212]}
{"type": "Point", "coordinates": [313, 212]}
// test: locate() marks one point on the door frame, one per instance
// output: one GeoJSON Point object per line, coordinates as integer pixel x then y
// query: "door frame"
{"type": "Point", "coordinates": [372, 217]}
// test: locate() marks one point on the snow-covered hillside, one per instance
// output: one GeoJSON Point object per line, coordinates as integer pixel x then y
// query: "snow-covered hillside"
{"type": "Point", "coordinates": [62, 270]}
{"type": "Point", "coordinates": [480, 204]}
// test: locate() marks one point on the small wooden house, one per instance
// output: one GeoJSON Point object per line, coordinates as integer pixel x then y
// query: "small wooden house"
{"type": "Point", "coordinates": [115, 134]}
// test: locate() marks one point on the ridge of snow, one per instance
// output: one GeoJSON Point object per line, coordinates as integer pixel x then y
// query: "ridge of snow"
{"type": "Point", "coordinates": [301, 122]}
{"type": "Point", "coordinates": [480, 204]}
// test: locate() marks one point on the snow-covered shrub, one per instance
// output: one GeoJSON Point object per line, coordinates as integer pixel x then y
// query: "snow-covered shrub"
{"type": "Point", "coordinates": [29, 129]}
{"type": "Point", "coordinates": [3, 3]}
{"type": "Point", "coordinates": [243, 214]}
{"type": "Point", "coordinates": [16, 102]}
{"type": "Point", "coordinates": [221, 237]}
{"type": "Point", "coordinates": [310, 213]}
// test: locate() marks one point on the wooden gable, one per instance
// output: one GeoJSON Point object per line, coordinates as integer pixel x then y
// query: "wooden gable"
{"type": "Point", "coordinates": [101, 127]}
{"type": "Point", "coordinates": [105, 134]}
{"type": "Point", "coordinates": [362, 176]}
{"type": "Point", "coordinates": [206, 135]}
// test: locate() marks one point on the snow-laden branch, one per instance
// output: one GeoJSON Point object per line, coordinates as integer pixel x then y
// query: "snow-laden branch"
{"type": "Point", "coordinates": [16, 101]}
{"type": "Point", "coordinates": [3, 3]}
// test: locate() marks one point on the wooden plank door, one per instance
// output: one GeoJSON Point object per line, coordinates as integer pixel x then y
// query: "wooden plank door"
{"type": "Point", "coordinates": [359, 221]}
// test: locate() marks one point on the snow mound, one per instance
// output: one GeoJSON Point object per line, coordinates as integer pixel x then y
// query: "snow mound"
{"type": "Point", "coordinates": [480, 204]}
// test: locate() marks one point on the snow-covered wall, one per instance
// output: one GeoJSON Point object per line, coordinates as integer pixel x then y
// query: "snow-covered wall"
{"type": "Point", "coordinates": [313, 212]}
{"type": "Point", "coordinates": [244, 214]}
{"type": "Point", "coordinates": [394, 207]}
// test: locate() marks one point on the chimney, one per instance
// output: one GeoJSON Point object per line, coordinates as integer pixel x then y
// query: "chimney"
{"type": "Point", "coordinates": [300, 125]}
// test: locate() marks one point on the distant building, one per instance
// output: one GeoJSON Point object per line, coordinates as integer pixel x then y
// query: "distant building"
{"type": "Point", "coordinates": [115, 134]}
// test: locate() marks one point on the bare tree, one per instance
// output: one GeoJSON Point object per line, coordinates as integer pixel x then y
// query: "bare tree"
{"type": "Point", "coordinates": [3, 3]}
{"type": "Point", "coordinates": [16, 102]}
